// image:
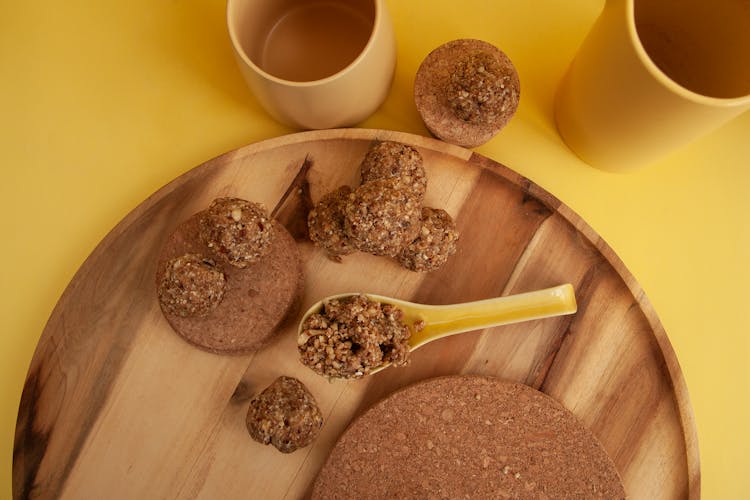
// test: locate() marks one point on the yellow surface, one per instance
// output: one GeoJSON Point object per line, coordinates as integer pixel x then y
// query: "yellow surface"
{"type": "Point", "coordinates": [101, 103]}
{"type": "Point", "coordinates": [654, 115]}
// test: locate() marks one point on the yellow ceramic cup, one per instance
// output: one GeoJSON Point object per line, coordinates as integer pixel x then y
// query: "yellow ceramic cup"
{"type": "Point", "coordinates": [653, 75]}
{"type": "Point", "coordinates": [314, 64]}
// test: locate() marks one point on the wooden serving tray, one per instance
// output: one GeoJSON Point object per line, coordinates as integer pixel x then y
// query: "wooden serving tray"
{"type": "Point", "coordinates": [116, 405]}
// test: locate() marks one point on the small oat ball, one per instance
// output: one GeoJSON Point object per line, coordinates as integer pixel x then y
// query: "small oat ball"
{"type": "Point", "coordinates": [353, 335]}
{"type": "Point", "coordinates": [325, 223]}
{"type": "Point", "coordinates": [192, 285]}
{"type": "Point", "coordinates": [466, 91]}
{"type": "Point", "coordinates": [236, 230]}
{"type": "Point", "coordinates": [394, 160]}
{"type": "Point", "coordinates": [480, 92]}
{"type": "Point", "coordinates": [381, 219]}
{"type": "Point", "coordinates": [436, 242]}
{"type": "Point", "coordinates": [285, 415]}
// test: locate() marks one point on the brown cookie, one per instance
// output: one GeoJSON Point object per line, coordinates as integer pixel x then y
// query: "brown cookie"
{"type": "Point", "coordinates": [466, 91]}
{"type": "Point", "coordinates": [284, 415]}
{"type": "Point", "coordinates": [191, 285]}
{"type": "Point", "coordinates": [436, 242]}
{"type": "Point", "coordinates": [468, 436]}
{"type": "Point", "coordinates": [381, 219]}
{"type": "Point", "coordinates": [236, 231]}
{"type": "Point", "coordinates": [325, 224]}
{"type": "Point", "coordinates": [256, 298]}
{"type": "Point", "coordinates": [394, 160]}
{"type": "Point", "coordinates": [353, 335]}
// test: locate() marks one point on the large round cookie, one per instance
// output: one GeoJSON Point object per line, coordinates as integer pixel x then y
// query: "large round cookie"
{"type": "Point", "coordinates": [256, 299]}
{"type": "Point", "coordinates": [468, 437]}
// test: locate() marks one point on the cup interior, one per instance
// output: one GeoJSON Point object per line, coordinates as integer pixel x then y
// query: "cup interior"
{"type": "Point", "coordinates": [703, 46]}
{"type": "Point", "coordinates": [302, 40]}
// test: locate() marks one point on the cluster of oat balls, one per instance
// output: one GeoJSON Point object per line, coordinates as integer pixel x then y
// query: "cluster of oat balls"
{"type": "Point", "coordinates": [384, 215]}
{"type": "Point", "coordinates": [237, 233]}
{"type": "Point", "coordinates": [465, 91]}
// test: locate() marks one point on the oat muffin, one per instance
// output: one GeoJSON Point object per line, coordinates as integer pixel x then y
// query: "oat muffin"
{"type": "Point", "coordinates": [394, 160]}
{"type": "Point", "coordinates": [436, 242]}
{"type": "Point", "coordinates": [284, 415]}
{"type": "Point", "coordinates": [237, 231]}
{"type": "Point", "coordinates": [466, 91]}
{"type": "Point", "coordinates": [192, 285]}
{"type": "Point", "coordinates": [381, 219]}
{"type": "Point", "coordinates": [325, 224]}
{"type": "Point", "coordinates": [353, 335]}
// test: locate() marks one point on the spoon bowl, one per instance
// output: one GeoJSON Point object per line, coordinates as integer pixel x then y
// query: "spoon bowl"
{"type": "Point", "coordinates": [431, 322]}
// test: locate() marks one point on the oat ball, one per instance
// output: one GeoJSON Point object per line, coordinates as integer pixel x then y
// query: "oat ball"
{"type": "Point", "coordinates": [325, 223]}
{"type": "Point", "coordinates": [192, 285]}
{"type": "Point", "coordinates": [285, 415]}
{"type": "Point", "coordinates": [381, 219]}
{"type": "Point", "coordinates": [466, 91]}
{"type": "Point", "coordinates": [436, 242]}
{"type": "Point", "coordinates": [394, 160]}
{"type": "Point", "coordinates": [236, 230]}
{"type": "Point", "coordinates": [480, 92]}
{"type": "Point", "coordinates": [351, 336]}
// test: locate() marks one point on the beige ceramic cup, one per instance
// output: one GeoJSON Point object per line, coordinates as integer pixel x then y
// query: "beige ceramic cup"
{"type": "Point", "coordinates": [652, 76]}
{"type": "Point", "coordinates": [315, 64]}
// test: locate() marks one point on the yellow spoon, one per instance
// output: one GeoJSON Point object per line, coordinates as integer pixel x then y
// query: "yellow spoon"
{"type": "Point", "coordinates": [442, 321]}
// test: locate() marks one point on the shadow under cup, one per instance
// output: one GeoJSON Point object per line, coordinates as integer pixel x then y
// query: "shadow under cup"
{"type": "Point", "coordinates": [652, 76]}
{"type": "Point", "coordinates": [314, 63]}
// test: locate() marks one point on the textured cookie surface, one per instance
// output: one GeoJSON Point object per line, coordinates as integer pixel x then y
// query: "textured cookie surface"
{"type": "Point", "coordinates": [468, 437]}
{"type": "Point", "coordinates": [256, 298]}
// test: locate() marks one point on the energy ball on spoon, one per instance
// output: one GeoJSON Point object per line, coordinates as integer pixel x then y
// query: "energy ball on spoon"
{"type": "Point", "coordinates": [466, 91]}
{"type": "Point", "coordinates": [284, 415]}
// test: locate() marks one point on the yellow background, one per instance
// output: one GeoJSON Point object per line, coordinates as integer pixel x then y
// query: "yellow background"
{"type": "Point", "coordinates": [103, 102]}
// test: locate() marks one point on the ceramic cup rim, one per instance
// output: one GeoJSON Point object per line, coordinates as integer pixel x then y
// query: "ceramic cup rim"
{"type": "Point", "coordinates": [233, 35]}
{"type": "Point", "coordinates": [668, 82]}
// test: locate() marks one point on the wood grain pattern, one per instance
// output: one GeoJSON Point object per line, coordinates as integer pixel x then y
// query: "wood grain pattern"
{"type": "Point", "coordinates": [116, 405]}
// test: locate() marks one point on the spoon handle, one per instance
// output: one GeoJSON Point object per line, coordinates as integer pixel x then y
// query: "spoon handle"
{"type": "Point", "coordinates": [442, 321]}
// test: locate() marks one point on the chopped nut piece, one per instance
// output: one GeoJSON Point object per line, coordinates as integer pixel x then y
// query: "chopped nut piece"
{"type": "Point", "coordinates": [236, 230]}
{"type": "Point", "coordinates": [358, 336]}
{"type": "Point", "coordinates": [285, 415]}
{"type": "Point", "coordinates": [192, 285]}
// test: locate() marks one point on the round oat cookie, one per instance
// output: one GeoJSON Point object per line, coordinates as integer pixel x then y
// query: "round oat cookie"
{"type": "Point", "coordinates": [284, 415]}
{"type": "Point", "coordinates": [466, 90]}
{"type": "Point", "coordinates": [381, 219]}
{"type": "Point", "coordinates": [191, 285]}
{"type": "Point", "coordinates": [256, 300]}
{"type": "Point", "coordinates": [325, 224]}
{"type": "Point", "coordinates": [394, 160]}
{"type": "Point", "coordinates": [468, 436]}
{"type": "Point", "coordinates": [237, 231]}
{"type": "Point", "coordinates": [436, 242]}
